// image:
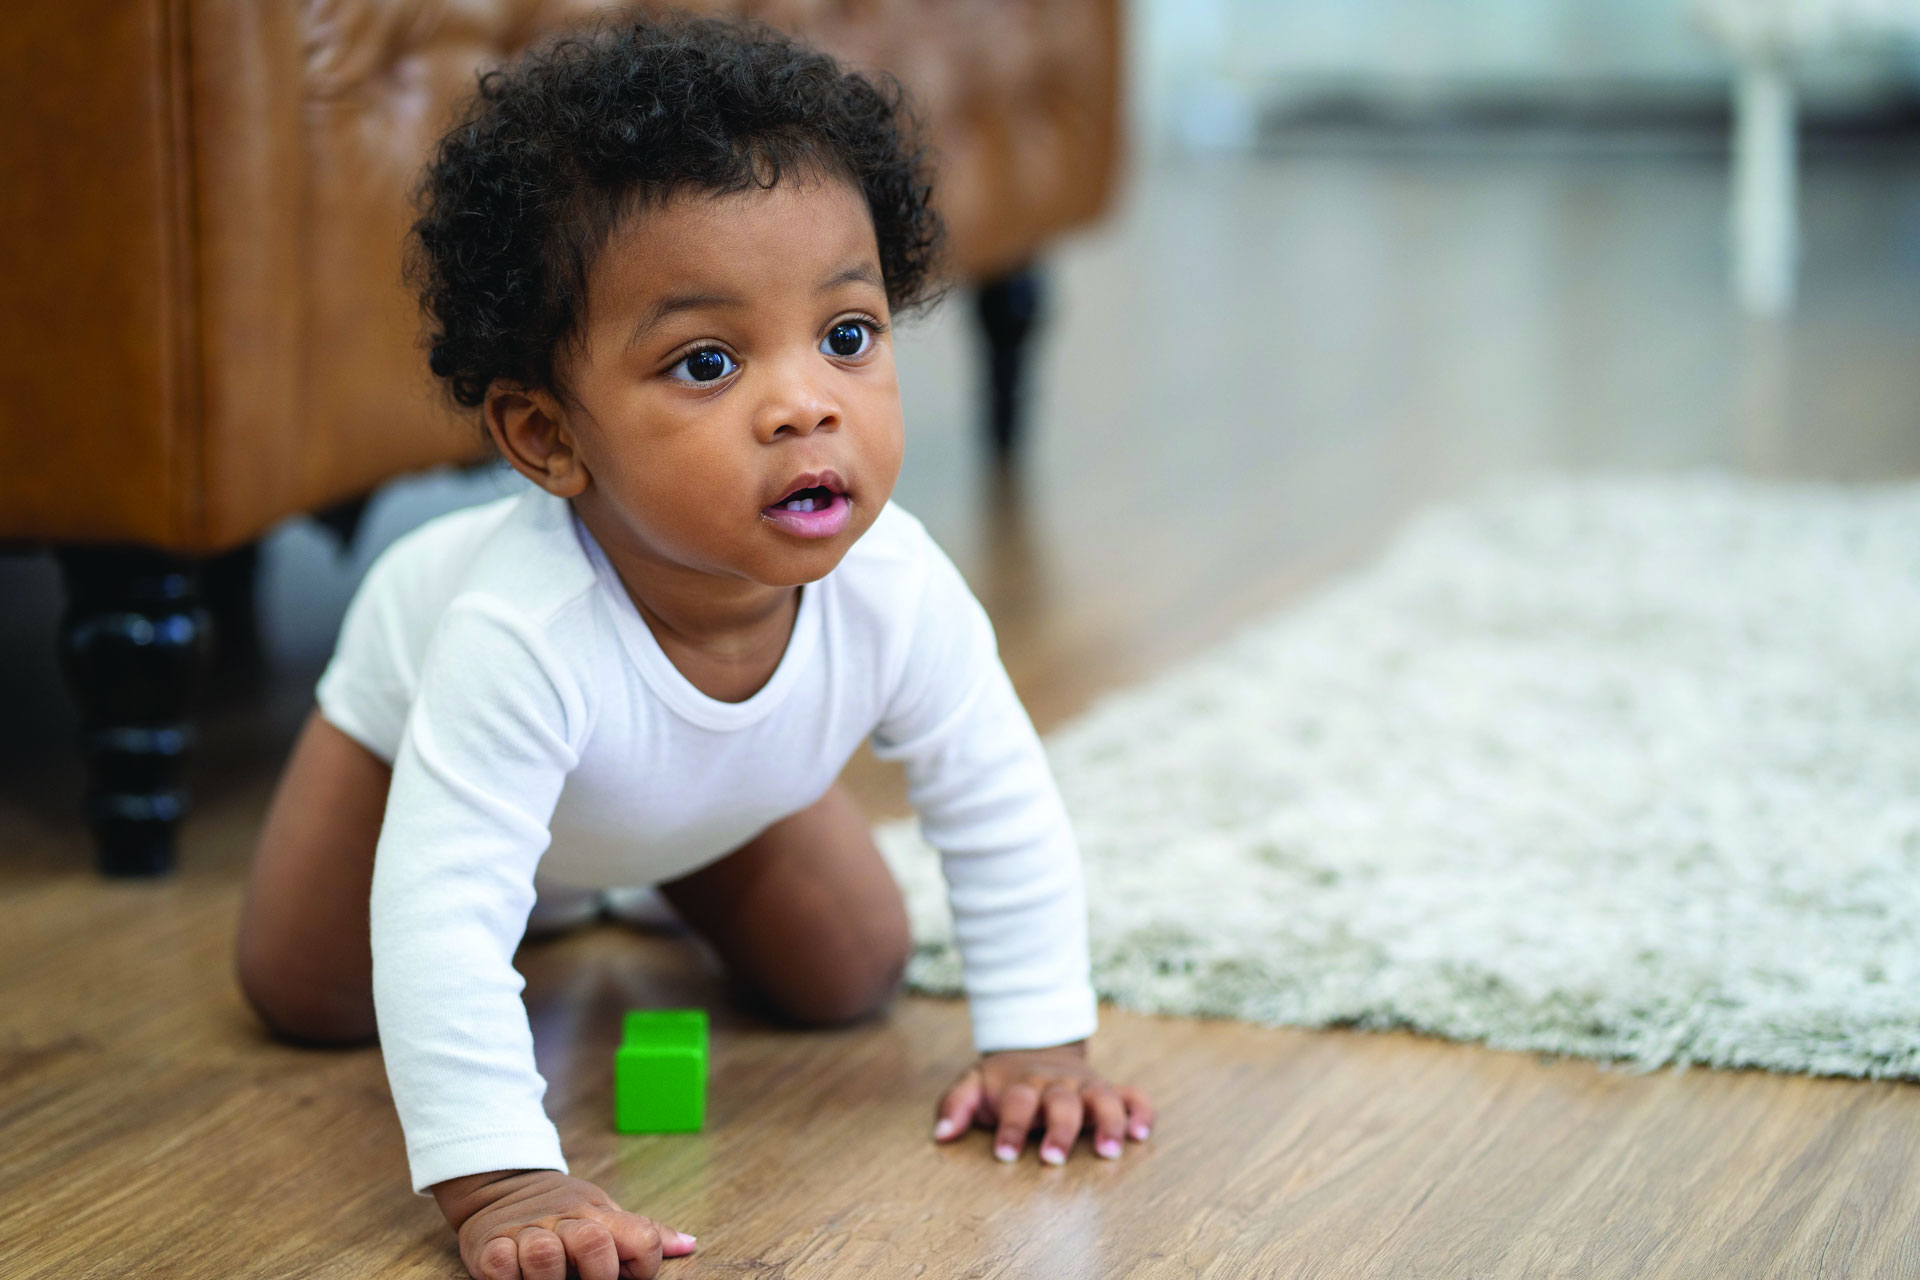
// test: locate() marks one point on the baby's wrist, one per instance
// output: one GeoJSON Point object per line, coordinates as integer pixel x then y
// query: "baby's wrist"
{"type": "Point", "coordinates": [460, 1198]}
{"type": "Point", "coordinates": [1075, 1046]}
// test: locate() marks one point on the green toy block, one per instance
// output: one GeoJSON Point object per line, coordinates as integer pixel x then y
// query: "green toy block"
{"type": "Point", "coordinates": [660, 1072]}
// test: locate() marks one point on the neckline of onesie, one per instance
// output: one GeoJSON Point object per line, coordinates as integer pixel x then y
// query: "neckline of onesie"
{"type": "Point", "coordinates": [667, 681]}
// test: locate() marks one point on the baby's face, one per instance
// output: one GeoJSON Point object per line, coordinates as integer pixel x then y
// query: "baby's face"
{"type": "Point", "coordinates": [741, 411]}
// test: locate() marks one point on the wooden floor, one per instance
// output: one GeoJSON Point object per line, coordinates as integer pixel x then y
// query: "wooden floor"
{"type": "Point", "coordinates": [1256, 371]}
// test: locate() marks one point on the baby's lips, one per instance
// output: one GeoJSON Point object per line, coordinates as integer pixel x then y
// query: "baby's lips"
{"type": "Point", "coordinates": [825, 479]}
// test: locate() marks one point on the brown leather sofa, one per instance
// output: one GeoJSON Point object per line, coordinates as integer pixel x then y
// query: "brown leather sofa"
{"type": "Point", "coordinates": [205, 326]}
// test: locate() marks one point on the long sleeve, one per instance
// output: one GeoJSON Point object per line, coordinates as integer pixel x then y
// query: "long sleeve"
{"type": "Point", "coordinates": [979, 780]}
{"type": "Point", "coordinates": [494, 730]}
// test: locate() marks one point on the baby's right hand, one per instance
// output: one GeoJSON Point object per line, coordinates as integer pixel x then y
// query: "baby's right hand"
{"type": "Point", "coordinates": [540, 1224]}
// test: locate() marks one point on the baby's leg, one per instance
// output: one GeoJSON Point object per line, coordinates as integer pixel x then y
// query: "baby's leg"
{"type": "Point", "coordinates": [303, 958]}
{"type": "Point", "coordinates": [806, 914]}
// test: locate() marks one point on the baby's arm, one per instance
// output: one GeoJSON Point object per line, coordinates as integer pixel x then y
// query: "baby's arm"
{"type": "Point", "coordinates": [493, 732]}
{"type": "Point", "coordinates": [980, 781]}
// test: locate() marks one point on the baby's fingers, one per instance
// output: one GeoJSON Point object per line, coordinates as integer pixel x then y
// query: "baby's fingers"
{"type": "Point", "coordinates": [1065, 1115]}
{"type": "Point", "coordinates": [640, 1243]}
{"type": "Point", "coordinates": [534, 1254]}
{"type": "Point", "coordinates": [499, 1259]}
{"type": "Point", "coordinates": [1139, 1111]}
{"type": "Point", "coordinates": [1018, 1103]}
{"type": "Point", "coordinates": [959, 1107]}
{"type": "Point", "coordinates": [1109, 1120]}
{"type": "Point", "coordinates": [590, 1247]}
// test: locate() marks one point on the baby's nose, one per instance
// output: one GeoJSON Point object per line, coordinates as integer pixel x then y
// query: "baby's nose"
{"type": "Point", "coordinates": [801, 412]}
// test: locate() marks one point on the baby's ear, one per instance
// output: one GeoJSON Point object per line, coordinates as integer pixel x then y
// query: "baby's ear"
{"type": "Point", "coordinates": [530, 430]}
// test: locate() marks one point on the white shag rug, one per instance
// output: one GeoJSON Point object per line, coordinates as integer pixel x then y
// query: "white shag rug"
{"type": "Point", "coordinates": [1623, 768]}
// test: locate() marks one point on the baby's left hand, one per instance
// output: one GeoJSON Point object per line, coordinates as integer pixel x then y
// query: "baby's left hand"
{"type": "Point", "coordinates": [1019, 1090]}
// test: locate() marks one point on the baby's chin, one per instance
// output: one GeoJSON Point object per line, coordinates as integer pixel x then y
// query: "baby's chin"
{"type": "Point", "coordinates": [793, 562]}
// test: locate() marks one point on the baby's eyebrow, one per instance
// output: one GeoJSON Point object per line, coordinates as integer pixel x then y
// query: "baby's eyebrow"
{"type": "Point", "coordinates": [859, 273]}
{"type": "Point", "coordinates": [675, 302]}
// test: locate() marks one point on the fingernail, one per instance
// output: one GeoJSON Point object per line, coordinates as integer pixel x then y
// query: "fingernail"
{"type": "Point", "coordinates": [944, 1129]}
{"type": "Point", "coordinates": [1050, 1155]}
{"type": "Point", "coordinates": [1006, 1154]}
{"type": "Point", "coordinates": [1140, 1133]}
{"type": "Point", "coordinates": [1109, 1147]}
{"type": "Point", "coordinates": [687, 1238]}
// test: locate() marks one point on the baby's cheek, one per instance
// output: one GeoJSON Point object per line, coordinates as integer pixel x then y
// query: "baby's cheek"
{"type": "Point", "coordinates": [885, 448]}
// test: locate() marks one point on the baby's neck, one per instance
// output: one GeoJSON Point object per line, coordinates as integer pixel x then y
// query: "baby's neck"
{"type": "Point", "coordinates": [730, 665]}
{"type": "Point", "coordinates": [726, 637]}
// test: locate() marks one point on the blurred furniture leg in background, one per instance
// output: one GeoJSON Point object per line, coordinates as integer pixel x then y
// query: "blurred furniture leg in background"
{"type": "Point", "coordinates": [1765, 39]}
{"type": "Point", "coordinates": [228, 588]}
{"type": "Point", "coordinates": [1009, 307]}
{"type": "Point", "coordinates": [343, 519]}
{"type": "Point", "coordinates": [135, 642]}
{"type": "Point", "coordinates": [1765, 188]}
{"type": "Point", "coordinates": [140, 633]}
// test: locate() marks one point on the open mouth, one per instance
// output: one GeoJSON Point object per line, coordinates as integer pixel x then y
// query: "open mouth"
{"type": "Point", "coordinates": [816, 507]}
{"type": "Point", "coordinates": [816, 498]}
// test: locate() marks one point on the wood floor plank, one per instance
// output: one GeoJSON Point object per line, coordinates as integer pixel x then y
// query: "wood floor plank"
{"type": "Point", "coordinates": [1279, 1153]}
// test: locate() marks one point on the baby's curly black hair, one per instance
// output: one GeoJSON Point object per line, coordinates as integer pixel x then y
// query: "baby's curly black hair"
{"type": "Point", "coordinates": [555, 149]}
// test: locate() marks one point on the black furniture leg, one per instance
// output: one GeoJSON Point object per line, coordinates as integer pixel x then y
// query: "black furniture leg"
{"type": "Point", "coordinates": [135, 641]}
{"type": "Point", "coordinates": [343, 519]}
{"type": "Point", "coordinates": [1008, 307]}
{"type": "Point", "coordinates": [229, 589]}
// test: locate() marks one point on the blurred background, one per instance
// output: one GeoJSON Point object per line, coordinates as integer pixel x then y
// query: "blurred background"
{"type": "Point", "coordinates": [1341, 260]}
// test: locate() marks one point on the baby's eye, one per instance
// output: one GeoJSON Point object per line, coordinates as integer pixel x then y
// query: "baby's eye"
{"type": "Point", "coordinates": [704, 365]}
{"type": "Point", "coordinates": [847, 339]}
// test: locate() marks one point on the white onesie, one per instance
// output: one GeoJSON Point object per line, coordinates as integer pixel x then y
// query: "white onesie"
{"type": "Point", "coordinates": [533, 722]}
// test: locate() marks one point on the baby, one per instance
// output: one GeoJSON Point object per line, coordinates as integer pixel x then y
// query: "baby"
{"type": "Point", "coordinates": [662, 262]}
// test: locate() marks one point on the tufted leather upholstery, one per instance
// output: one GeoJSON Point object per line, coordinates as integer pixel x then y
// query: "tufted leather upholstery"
{"type": "Point", "coordinates": [204, 325]}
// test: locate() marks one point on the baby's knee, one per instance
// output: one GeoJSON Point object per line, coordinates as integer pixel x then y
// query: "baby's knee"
{"type": "Point", "coordinates": [852, 991]}
{"type": "Point", "coordinates": [302, 1013]}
